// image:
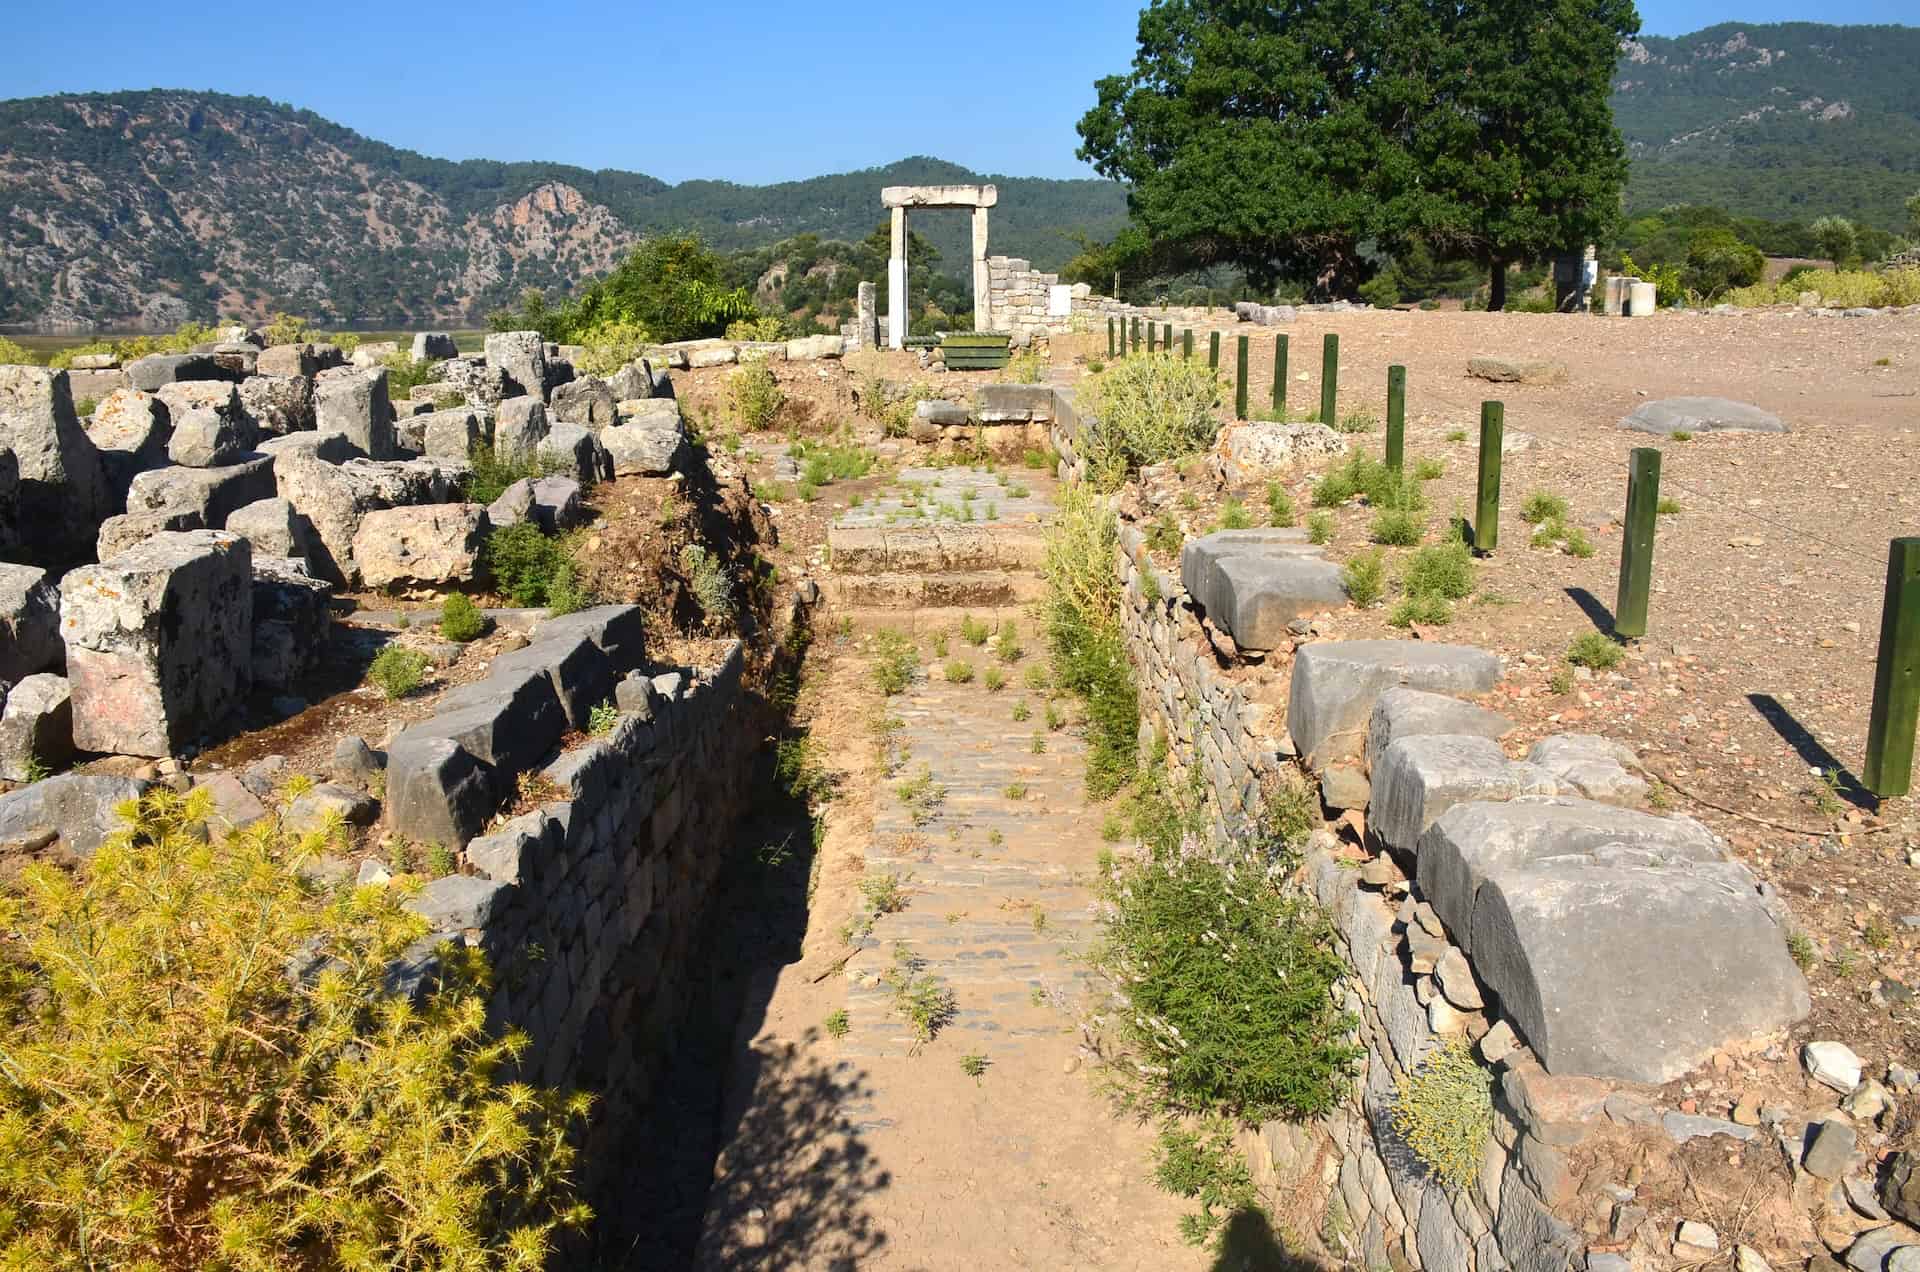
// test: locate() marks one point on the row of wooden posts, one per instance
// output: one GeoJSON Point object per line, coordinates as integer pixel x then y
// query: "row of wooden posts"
{"type": "Point", "coordinates": [1891, 728]}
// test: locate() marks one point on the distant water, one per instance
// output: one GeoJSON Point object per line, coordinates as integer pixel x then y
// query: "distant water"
{"type": "Point", "coordinates": [45, 343]}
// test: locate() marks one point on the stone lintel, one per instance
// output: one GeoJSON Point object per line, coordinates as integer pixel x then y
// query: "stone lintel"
{"type": "Point", "coordinates": [954, 196]}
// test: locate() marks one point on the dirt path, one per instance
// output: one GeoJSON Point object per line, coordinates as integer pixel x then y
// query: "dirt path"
{"type": "Point", "coordinates": [877, 1149]}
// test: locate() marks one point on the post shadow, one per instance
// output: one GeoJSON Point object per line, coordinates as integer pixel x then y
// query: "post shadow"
{"type": "Point", "coordinates": [1812, 751]}
{"type": "Point", "coordinates": [1590, 605]}
{"type": "Point", "coordinates": [1249, 1245]}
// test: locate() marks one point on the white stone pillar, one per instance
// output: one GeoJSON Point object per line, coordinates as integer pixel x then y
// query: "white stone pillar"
{"type": "Point", "coordinates": [982, 281]}
{"type": "Point", "coordinates": [897, 283]}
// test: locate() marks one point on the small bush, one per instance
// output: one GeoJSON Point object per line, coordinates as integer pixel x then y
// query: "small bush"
{"type": "Point", "coordinates": [1319, 528]}
{"type": "Point", "coordinates": [1164, 534]}
{"type": "Point", "coordinates": [610, 345]}
{"type": "Point", "coordinates": [1147, 409]}
{"type": "Point", "coordinates": [397, 671]}
{"type": "Point", "coordinates": [1443, 1108]}
{"type": "Point", "coordinates": [756, 395]}
{"type": "Point", "coordinates": [1006, 645]}
{"type": "Point", "coordinates": [974, 631]}
{"type": "Point", "coordinates": [1595, 650]}
{"type": "Point", "coordinates": [175, 1098]}
{"type": "Point", "coordinates": [603, 719]}
{"type": "Point", "coordinates": [1577, 543]}
{"type": "Point", "coordinates": [1543, 506]}
{"type": "Point", "coordinates": [1204, 1164]}
{"type": "Point", "coordinates": [526, 564]}
{"type": "Point", "coordinates": [1667, 507]}
{"type": "Point", "coordinates": [1081, 614]}
{"type": "Point", "coordinates": [958, 672]}
{"type": "Point", "coordinates": [895, 662]}
{"type": "Point", "coordinates": [1234, 516]}
{"type": "Point", "coordinates": [461, 620]}
{"type": "Point", "coordinates": [489, 473]}
{"type": "Point", "coordinates": [837, 1023]}
{"type": "Point", "coordinates": [1426, 610]}
{"type": "Point", "coordinates": [1425, 469]}
{"type": "Point", "coordinates": [1397, 528]}
{"type": "Point", "coordinates": [1279, 505]}
{"type": "Point", "coordinates": [1359, 422]}
{"type": "Point", "coordinates": [1028, 367]}
{"type": "Point", "coordinates": [764, 328]}
{"type": "Point", "coordinates": [707, 579]}
{"type": "Point", "coordinates": [1365, 575]}
{"type": "Point", "coordinates": [919, 997]}
{"type": "Point", "coordinates": [1442, 569]}
{"type": "Point", "coordinates": [16, 355]}
{"type": "Point", "coordinates": [994, 679]}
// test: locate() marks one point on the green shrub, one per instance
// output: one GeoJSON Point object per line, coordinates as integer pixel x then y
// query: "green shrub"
{"type": "Point", "coordinates": [1204, 1164]}
{"type": "Point", "coordinates": [1442, 569]}
{"type": "Point", "coordinates": [1279, 505]}
{"type": "Point", "coordinates": [397, 671]}
{"type": "Point", "coordinates": [1027, 368]}
{"type": "Point", "coordinates": [974, 631]}
{"type": "Point", "coordinates": [763, 329]}
{"type": "Point", "coordinates": [460, 619]}
{"type": "Point", "coordinates": [756, 395]}
{"type": "Point", "coordinates": [706, 576]}
{"type": "Point", "coordinates": [525, 563]}
{"type": "Point", "coordinates": [1425, 469]}
{"type": "Point", "coordinates": [1397, 528]}
{"type": "Point", "coordinates": [1145, 410]}
{"type": "Point", "coordinates": [1319, 528]}
{"type": "Point", "coordinates": [404, 374]}
{"type": "Point", "coordinates": [174, 1098]}
{"type": "Point", "coordinates": [1358, 422]}
{"type": "Point", "coordinates": [489, 473]}
{"type": "Point", "coordinates": [1365, 575]}
{"type": "Point", "coordinates": [1577, 543]}
{"type": "Point", "coordinates": [1229, 985]}
{"type": "Point", "coordinates": [1427, 610]}
{"type": "Point", "coordinates": [1006, 645]}
{"type": "Point", "coordinates": [603, 719]}
{"type": "Point", "coordinates": [1081, 617]}
{"type": "Point", "coordinates": [1234, 516]}
{"type": "Point", "coordinates": [1164, 534]}
{"type": "Point", "coordinates": [895, 662]}
{"type": "Point", "coordinates": [958, 672]}
{"type": "Point", "coordinates": [1667, 507]}
{"type": "Point", "coordinates": [995, 679]}
{"type": "Point", "coordinates": [1542, 506]}
{"type": "Point", "coordinates": [1443, 1109]}
{"type": "Point", "coordinates": [610, 345]}
{"type": "Point", "coordinates": [1595, 650]}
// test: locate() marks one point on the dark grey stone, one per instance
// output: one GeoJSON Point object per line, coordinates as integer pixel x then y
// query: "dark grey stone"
{"type": "Point", "coordinates": [1336, 683]}
{"type": "Point", "coordinates": [579, 670]}
{"type": "Point", "coordinates": [619, 630]}
{"type": "Point", "coordinates": [456, 902]}
{"type": "Point", "coordinates": [437, 792]}
{"type": "Point", "coordinates": [1252, 583]}
{"type": "Point", "coordinates": [157, 369]}
{"type": "Point", "coordinates": [1420, 777]}
{"type": "Point", "coordinates": [1407, 713]}
{"type": "Point", "coordinates": [75, 808]}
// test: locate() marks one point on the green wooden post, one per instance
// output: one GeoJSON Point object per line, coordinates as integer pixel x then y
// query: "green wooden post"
{"type": "Point", "coordinates": [1396, 418]}
{"type": "Point", "coordinates": [1186, 343]}
{"type": "Point", "coordinates": [1166, 337]}
{"type": "Point", "coordinates": [1896, 676]}
{"type": "Point", "coordinates": [1240, 382]}
{"type": "Point", "coordinates": [1133, 346]}
{"type": "Point", "coordinates": [1213, 351]}
{"type": "Point", "coordinates": [1330, 380]}
{"type": "Point", "coordinates": [1636, 542]}
{"type": "Point", "coordinates": [1280, 378]}
{"type": "Point", "coordinates": [1150, 335]}
{"type": "Point", "coordinates": [1110, 340]}
{"type": "Point", "coordinates": [1486, 519]}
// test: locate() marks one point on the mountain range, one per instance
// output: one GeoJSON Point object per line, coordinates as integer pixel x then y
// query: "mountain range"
{"type": "Point", "coordinates": [151, 207]}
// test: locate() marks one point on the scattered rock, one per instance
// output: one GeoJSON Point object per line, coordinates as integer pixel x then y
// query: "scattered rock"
{"type": "Point", "coordinates": [36, 728]}
{"type": "Point", "coordinates": [1701, 415]}
{"type": "Point", "coordinates": [1518, 370]}
{"type": "Point", "coordinates": [1832, 1064]}
{"type": "Point", "coordinates": [1829, 1150]}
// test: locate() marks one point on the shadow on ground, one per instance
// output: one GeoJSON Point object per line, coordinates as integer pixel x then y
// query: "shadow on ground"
{"type": "Point", "coordinates": [1812, 752]}
{"type": "Point", "coordinates": [1250, 1245]}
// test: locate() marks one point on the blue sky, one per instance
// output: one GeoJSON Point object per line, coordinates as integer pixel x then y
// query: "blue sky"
{"type": "Point", "coordinates": [750, 91]}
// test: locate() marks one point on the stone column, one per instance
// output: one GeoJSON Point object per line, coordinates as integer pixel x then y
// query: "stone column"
{"type": "Point", "coordinates": [897, 283]}
{"type": "Point", "coordinates": [866, 328]}
{"type": "Point", "coordinates": [982, 292]}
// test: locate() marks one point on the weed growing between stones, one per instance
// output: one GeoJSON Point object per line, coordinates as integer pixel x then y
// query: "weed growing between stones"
{"type": "Point", "coordinates": [1081, 616]}
{"type": "Point", "coordinates": [1596, 651]}
{"type": "Point", "coordinates": [1144, 410]}
{"type": "Point", "coordinates": [297, 1088]}
{"type": "Point", "coordinates": [895, 661]}
{"type": "Point", "coordinates": [707, 579]}
{"type": "Point", "coordinates": [920, 998]}
{"type": "Point", "coordinates": [489, 473]}
{"type": "Point", "coordinates": [397, 671]}
{"type": "Point", "coordinates": [1022, 712]}
{"type": "Point", "coordinates": [994, 679]}
{"type": "Point", "coordinates": [921, 795]}
{"type": "Point", "coordinates": [1319, 528]}
{"type": "Point", "coordinates": [602, 719]}
{"type": "Point", "coordinates": [756, 395]}
{"type": "Point", "coordinates": [837, 1024]}
{"type": "Point", "coordinates": [1234, 516]}
{"type": "Point", "coordinates": [973, 1065]}
{"type": "Point", "coordinates": [1201, 1163]}
{"type": "Point", "coordinates": [1279, 505]}
{"type": "Point", "coordinates": [1443, 1108]}
{"type": "Point", "coordinates": [958, 671]}
{"type": "Point", "coordinates": [1164, 534]}
{"type": "Point", "coordinates": [1800, 949]}
{"type": "Point", "coordinates": [1006, 645]}
{"type": "Point", "coordinates": [1365, 575]}
{"type": "Point", "coordinates": [974, 631]}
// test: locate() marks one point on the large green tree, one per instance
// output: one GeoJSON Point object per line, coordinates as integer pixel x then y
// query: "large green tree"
{"type": "Point", "coordinates": [1285, 138]}
{"type": "Point", "coordinates": [1516, 136]}
{"type": "Point", "coordinates": [1260, 135]}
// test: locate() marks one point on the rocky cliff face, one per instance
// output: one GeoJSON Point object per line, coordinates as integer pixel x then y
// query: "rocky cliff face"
{"type": "Point", "coordinates": [149, 208]}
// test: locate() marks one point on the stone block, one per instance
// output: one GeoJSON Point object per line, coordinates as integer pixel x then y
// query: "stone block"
{"type": "Point", "coordinates": [75, 809]}
{"type": "Point", "coordinates": [36, 727]}
{"type": "Point", "coordinates": [520, 851]}
{"type": "Point", "coordinates": [452, 434]}
{"type": "Point", "coordinates": [455, 902]}
{"type": "Point", "coordinates": [437, 792]}
{"type": "Point", "coordinates": [91, 385]}
{"type": "Point", "coordinates": [574, 451]}
{"type": "Point", "coordinates": [1418, 778]}
{"type": "Point", "coordinates": [213, 494]}
{"type": "Point", "coordinates": [1518, 370]}
{"type": "Point", "coordinates": [272, 527]}
{"type": "Point", "coordinates": [1258, 450]}
{"type": "Point", "coordinates": [158, 369]}
{"type": "Point", "coordinates": [288, 360]}
{"type": "Point", "coordinates": [130, 430]}
{"type": "Point", "coordinates": [1252, 583]}
{"type": "Point", "coordinates": [336, 498]}
{"type": "Point", "coordinates": [421, 545]}
{"type": "Point", "coordinates": [1581, 949]}
{"type": "Point", "coordinates": [813, 348]}
{"type": "Point", "coordinates": [1593, 766]}
{"type": "Point", "coordinates": [1469, 842]}
{"type": "Point", "coordinates": [510, 720]}
{"type": "Point", "coordinates": [318, 806]}
{"type": "Point", "coordinates": [208, 429]}
{"type": "Point", "coordinates": [1829, 1150]}
{"type": "Point", "coordinates": [131, 529]}
{"type": "Point", "coordinates": [588, 401]}
{"type": "Point", "coordinates": [352, 402]}
{"type": "Point", "coordinates": [521, 358]}
{"type": "Point", "coordinates": [579, 671]}
{"type": "Point", "coordinates": [1407, 713]}
{"type": "Point", "coordinates": [60, 489]}
{"type": "Point", "coordinates": [1701, 415]}
{"type": "Point", "coordinates": [519, 426]}
{"type": "Point", "coordinates": [619, 630]}
{"type": "Point", "coordinates": [552, 503]}
{"type": "Point", "coordinates": [649, 445]}
{"type": "Point", "coordinates": [159, 642]}
{"type": "Point", "coordinates": [432, 346]}
{"type": "Point", "coordinates": [369, 354]}
{"type": "Point", "coordinates": [277, 405]}
{"type": "Point", "coordinates": [1013, 403]}
{"type": "Point", "coordinates": [291, 620]}
{"type": "Point", "coordinates": [30, 638]}
{"type": "Point", "coordinates": [1336, 683]}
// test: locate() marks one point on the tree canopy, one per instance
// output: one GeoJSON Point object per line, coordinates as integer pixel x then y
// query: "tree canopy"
{"type": "Point", "coordinates": [1287, 139]}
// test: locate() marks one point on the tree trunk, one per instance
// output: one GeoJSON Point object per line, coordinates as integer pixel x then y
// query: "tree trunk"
{"type": "Point", "coordinates": [1497, 287]}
